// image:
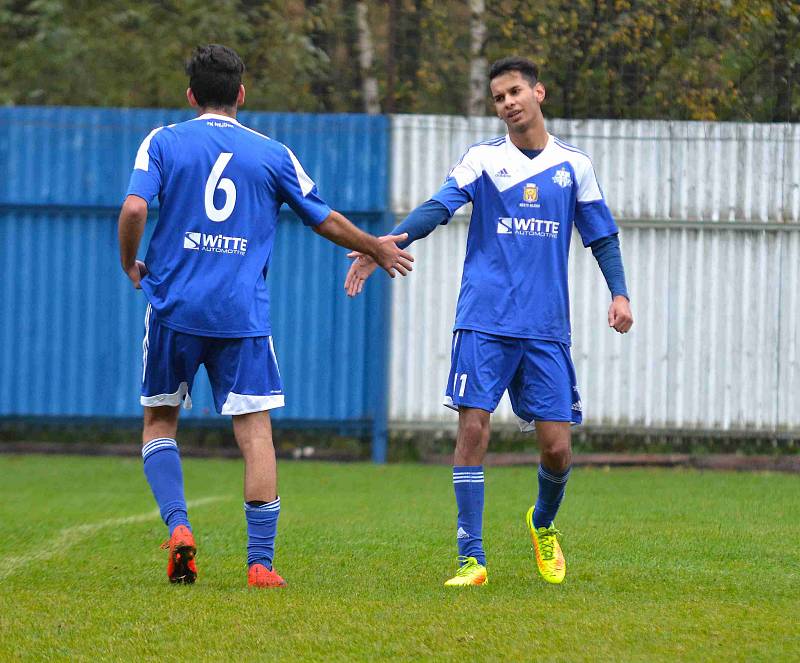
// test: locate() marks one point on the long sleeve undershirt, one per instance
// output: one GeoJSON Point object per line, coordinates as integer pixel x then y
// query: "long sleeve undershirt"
{"type": "Point", "coordinates": [423, 220]}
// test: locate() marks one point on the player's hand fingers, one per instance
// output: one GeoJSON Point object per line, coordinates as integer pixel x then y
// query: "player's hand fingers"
{"type": "Point", "coordinates": [348, 280]}
{"type": "Point", "coordinates": [405, 263]}
{"type": "Point", "coordinates": [354, 254]}
{"type": "Point", "coordinates": [405, 255]}
{"type": "Point", "coordinates": [612, 316]}
{"type": "Point", "coordinates": [623, 324]}
{"type": "Point", "coordinates": [402, 270]}
{"type": "Point", "coordinates": [398, 238]}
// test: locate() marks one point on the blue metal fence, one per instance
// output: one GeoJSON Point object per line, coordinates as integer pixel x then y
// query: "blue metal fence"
{"type": "Point", "coordinates": [70, 338]}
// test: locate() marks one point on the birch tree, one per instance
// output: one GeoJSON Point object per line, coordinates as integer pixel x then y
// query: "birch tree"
{"type": "Point", "coordinates": [366, 56]}
{"type": "Point", "coordinates": [478, 74]}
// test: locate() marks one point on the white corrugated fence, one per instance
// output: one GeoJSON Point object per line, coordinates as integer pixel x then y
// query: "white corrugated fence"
{"type": "Point", "coordinates": [710, 232]}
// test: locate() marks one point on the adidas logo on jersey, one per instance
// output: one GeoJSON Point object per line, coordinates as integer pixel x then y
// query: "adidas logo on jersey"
{"type": "Point", "coordinates": [462, 533]}
{"type": "Point", "coordinates": [502, 173]}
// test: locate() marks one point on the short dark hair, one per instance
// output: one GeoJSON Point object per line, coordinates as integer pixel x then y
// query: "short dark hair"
{"type": "Point", "coordinates": [528, 69]}
{"type": "Point", "coordinates": [215, 74]}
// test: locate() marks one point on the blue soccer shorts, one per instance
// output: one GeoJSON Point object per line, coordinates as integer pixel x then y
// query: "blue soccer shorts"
{"type": "Point", "coordinates": [539, 376]}
{"type": "Point", "coordinates": [243, 372]}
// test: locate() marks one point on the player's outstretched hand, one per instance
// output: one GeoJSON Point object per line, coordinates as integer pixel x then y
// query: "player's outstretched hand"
{"type": "Point", "coordinates": [619, 314]}
{"type": "Point", "coordinates": [362, 268]}
{"type": "Point", "coordinates": [136, 273]}
{"type": "Point", "coordinates": [391, 257]}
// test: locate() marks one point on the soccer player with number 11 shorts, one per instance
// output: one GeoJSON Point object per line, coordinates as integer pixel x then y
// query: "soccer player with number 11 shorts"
{"type": "Point", "coordinates": [512, 330]}
{"type": "Point", "coordinates": [220, 187]}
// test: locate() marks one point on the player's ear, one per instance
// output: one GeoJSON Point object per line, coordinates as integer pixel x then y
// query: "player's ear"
{"type": "Point", "coordinates": [539, 91]}
{"type": "Point", "coordinates": [240, 96]}
{"type": "Point", "coordinates": [190, 98]}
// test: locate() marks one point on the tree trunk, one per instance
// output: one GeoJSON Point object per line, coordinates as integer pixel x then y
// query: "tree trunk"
{"type": "Point", "coordinates": [391, 62]}
{"type": "Point", "coordinates": [366, 54]}
{"type": "Point", "coordinates": [784, 67]}
{"type": "Point", "coordinates": [478, 69]}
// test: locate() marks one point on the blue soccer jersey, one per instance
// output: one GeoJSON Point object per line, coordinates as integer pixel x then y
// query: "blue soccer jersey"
{"type": "Point", "coordinates": [220, 186]}
{"type": "Point", "coordinates": [515, 270]}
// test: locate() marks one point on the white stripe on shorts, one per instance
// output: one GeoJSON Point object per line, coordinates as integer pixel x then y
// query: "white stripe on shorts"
{"type": "Point", "coordinates": [146, 341]}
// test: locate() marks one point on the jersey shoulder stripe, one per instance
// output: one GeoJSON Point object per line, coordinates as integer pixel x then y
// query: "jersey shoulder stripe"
{"type": "Point", "coordinates": [499, 140]}
{"type": "Point", "coordinates": [142, 155]}
{"type": "Point", "coordinates": [490, 142]}
{"type": "Point", "coordinates": [253, 131]}
{"type": "Point", "coordinates": [570, 148]}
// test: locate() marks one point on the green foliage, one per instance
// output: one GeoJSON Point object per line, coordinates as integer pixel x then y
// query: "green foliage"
{"type": "Point", "coordinates": [675, 59]}
{"type": "Point", "coordinates": [661, 566]}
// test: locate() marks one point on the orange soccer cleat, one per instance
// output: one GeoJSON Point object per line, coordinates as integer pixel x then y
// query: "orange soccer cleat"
{"type": "Point", "coordinates": [181, 567]}
{"type": "Point", "coordinates": [259, 575]}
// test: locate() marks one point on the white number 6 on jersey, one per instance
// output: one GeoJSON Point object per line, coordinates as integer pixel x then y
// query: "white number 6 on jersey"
{"type": "Point", "coordinates": [213, 183]}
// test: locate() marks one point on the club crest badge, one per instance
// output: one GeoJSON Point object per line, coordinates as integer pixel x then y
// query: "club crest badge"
{"type": "Point", "coordinates": [531, 193]}
{"type": "Point", "coordinates": [562, 177]}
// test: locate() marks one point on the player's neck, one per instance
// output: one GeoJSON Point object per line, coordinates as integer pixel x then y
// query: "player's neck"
{"type": "Point", "coordinates": [227, 111]}
{"type": "Point", "coordinates": [534, 138]}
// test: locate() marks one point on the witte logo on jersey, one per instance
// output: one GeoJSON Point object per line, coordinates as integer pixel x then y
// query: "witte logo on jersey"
{"type": "Point", "coordinates": [562, 177]}
{"type": "Point", "coordinates": [531, 227]}
{"type": "Point", "coordinates": [195, 241]}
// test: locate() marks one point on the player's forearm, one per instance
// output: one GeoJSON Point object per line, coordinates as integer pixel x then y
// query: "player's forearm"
{"type": "Point", "coordinates": [422, 221]}
{"type": "Point", "coordinates": [609, 257]}
{"type": "Point", "coordinates": [337, 229]}
{"type": "Point", "coordinates": [130, 228]}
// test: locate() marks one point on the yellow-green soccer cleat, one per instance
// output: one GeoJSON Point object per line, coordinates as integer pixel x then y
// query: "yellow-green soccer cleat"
{"type": "Point", "coordinates": [549, 558]}
{"type": "Point", "coordinates": [469, 573]}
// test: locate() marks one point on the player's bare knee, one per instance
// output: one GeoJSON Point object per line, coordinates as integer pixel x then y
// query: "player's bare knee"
{"type": "Point", "coordinates": [557, 456]}
{"type": "Point", "coordinates": [473, 432]}
{"type": "Point", "coordinates": [160, 422]}
{"type": "Point", "coordinates": [253, 433]}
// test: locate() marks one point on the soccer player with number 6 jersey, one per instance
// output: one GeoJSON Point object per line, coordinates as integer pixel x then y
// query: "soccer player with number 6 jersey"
{"type": "Point", "coordinates": [512, 330]}
{"type": "Point", "coordinates": [220, 187]}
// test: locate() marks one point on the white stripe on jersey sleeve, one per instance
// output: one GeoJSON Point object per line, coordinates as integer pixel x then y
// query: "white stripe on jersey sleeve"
{"type": "Point", "coordinates": [142, 157]}
{"type": "Point", "coordinates": [468, 169]}
{"type": "Point", "coordinates": [306, 183]}
{"type": "Point", "coordinates": [588, 188]}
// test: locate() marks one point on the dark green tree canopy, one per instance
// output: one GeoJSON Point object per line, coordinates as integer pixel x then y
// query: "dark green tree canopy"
{"type": "Point", "coordinates": [670, 59]}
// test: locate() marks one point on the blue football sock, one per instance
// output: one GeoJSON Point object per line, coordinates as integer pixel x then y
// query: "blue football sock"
{"type": "Point", "coordinates": [551, 492]}
{"type": "Point", "coordinates": [162, 467]}
{"type": "Point", "coordinates": [262, 526]}
{"type": "Point", "coordinates": [468, 485]}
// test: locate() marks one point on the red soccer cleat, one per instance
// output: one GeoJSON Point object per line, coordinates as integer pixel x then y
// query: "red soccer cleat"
{"type": "Point", "coordinates": [181, 567]}
{"type": "Point", "coordinates": [259, 575]}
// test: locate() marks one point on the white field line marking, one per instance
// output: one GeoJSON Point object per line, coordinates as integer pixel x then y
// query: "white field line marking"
{"type": "Point", "coordinates": [69, 536]}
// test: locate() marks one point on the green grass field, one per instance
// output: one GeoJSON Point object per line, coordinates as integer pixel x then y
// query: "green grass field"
{"type": "Point", "coordinates": [662, 565]}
